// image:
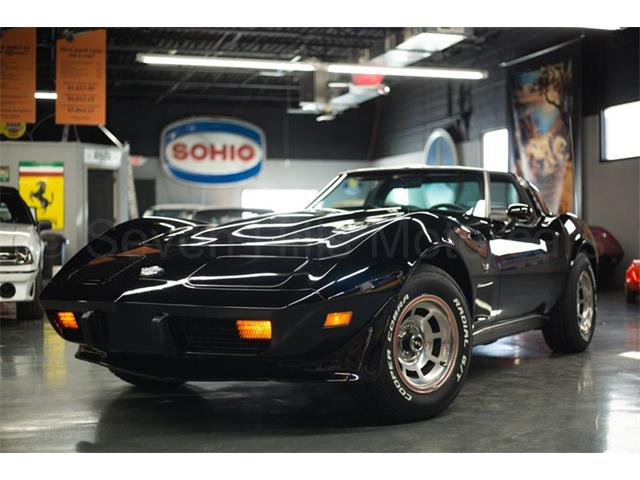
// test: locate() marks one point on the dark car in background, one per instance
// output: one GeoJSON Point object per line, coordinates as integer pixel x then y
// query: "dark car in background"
{"type": "Point", "coordinates": [172, 210]}
{"type": "Point", "coordinates": [218, 216]}
{"type": "Point", "coordinates": [385, 281]}
{"type": "Point", "coordinates": [200, 213]}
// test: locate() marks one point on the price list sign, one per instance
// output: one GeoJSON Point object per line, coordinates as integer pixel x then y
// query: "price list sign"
{"type": "Point", "coordinates": [81, 77]}
{"type": "Point", "coordinates": [18, 76]}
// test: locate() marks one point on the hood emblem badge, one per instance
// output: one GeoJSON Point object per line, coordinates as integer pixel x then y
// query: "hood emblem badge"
{"type": "Point", "coordinates": [152, 271]}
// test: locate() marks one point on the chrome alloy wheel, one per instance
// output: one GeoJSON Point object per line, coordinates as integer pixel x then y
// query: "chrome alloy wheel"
{"type": "Point", "coordinates": [585, 305]}
{"type": "Point", "coordinates": [425, 343]}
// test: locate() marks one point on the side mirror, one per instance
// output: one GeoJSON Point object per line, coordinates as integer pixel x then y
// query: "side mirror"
{"type": "Point", "coordinates": [44, 225]}
{"type": "Point", "coordinates": [519, 212]}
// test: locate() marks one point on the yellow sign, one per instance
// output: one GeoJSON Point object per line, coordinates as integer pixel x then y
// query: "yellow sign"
{"type": "Point", "coordinates": [41, 185]}
{"type": "Point", "coordinates": [13, 130]}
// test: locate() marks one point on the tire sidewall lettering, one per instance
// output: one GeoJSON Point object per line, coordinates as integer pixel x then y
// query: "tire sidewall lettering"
{"type": "Point", "coordinates": [465, 343]}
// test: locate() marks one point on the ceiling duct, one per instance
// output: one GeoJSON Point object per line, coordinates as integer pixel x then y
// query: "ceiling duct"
{"type": "Point", "coordinates": [399, 50]}
{"type": "Point", "coordinates": [415, 44]}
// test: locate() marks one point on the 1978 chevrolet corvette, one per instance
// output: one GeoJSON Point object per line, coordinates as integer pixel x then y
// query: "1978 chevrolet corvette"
{"type": "Point", "coordinates": [386, 280]}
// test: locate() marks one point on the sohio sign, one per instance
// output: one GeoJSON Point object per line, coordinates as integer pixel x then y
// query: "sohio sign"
{"type": "Point", "coordinates": [209, 151]}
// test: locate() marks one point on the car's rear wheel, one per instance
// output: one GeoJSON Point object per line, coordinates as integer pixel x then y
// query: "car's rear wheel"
{"type": "Point", "coordinates": [31, 310]}
{"type": "Point", "coordinates": [146, 383]}
{"type": "Point", "coordinates": [573, 319]}
{"type": "Point", "coordinates": [427, 349]}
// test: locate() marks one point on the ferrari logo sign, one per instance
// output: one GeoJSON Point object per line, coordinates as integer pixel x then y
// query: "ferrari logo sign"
{"type": "Point", "coordinates": [41, 186]}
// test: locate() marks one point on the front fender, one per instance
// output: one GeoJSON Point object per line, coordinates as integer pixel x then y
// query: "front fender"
{"type": "Point", "coordinates": [580, 239]}
{"type": "Point", "coordinates": [385, 259]}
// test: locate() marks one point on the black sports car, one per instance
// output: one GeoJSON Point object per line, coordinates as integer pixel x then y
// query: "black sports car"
{"type": "Point", "coordinates": [385, 281]}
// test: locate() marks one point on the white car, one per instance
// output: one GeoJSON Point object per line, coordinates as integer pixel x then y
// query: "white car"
{"type": "Point", "coordinates": [21, 254]}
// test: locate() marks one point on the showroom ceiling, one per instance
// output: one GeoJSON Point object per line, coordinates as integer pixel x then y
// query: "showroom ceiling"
{"type": "Point", "coordinates": [128, 79]}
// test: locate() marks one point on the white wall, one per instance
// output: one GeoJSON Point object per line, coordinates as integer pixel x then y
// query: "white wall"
{"type": "Point", "coordinates": [611, 194]}
{"type": "Point", "coordinates": [72, 154]}
{"type": "Point", "coordinates": [280, 174]}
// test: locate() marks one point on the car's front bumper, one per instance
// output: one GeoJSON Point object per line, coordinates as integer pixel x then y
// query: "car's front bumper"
{"type": "Point", "coordinates": [196, 343]}
{"type": "Point", "coordinates": [17, 285]}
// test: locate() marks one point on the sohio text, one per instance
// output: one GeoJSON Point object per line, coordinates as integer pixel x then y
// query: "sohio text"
{"type": "Point", "coordinates": [200, 151]}
{"type": "Point", "coordinates": [212, 151]}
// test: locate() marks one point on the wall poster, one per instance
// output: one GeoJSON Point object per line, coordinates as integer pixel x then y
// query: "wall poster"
{"type": "Point", "coordinates": [544, 112]}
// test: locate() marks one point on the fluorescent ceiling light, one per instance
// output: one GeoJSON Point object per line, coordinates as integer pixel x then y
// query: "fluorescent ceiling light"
{"type": "Point", "coordinates": [46, 95]}
{"type": "Point", "coordinates": [426, 72]}
{"type": "Point", "coordinates": [430, 42]}
{"type": "Point", "coordinates": [217, 62]}
{"type": "Point", "coordinates": [255, 64]}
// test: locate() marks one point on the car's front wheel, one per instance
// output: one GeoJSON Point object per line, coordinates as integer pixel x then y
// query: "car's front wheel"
{"type": "Point", "coordinates": [573, 319]}
{"type": "Point", "coordinates": [427, 349]}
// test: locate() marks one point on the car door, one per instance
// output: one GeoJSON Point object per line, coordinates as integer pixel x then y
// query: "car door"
{"type": "Point", "coordinates": [523, 254]}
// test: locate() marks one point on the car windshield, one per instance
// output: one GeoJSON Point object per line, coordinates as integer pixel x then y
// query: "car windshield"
{"type": "Point", "coordinates": [13, 209]}
{"type": "Point", "coordinates": [451, 192]}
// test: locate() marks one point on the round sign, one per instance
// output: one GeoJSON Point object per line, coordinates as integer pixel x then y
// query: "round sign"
{"type": "Point", "coordinates": [210, 151]}
{"type": "Point", "coordinates": [13, 130]}
{"type": "Point", "coordinates": [441, 149]}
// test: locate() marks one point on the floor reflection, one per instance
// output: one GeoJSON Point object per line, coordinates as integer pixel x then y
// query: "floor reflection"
{"type": "Point", "coordinates": [518, 397]}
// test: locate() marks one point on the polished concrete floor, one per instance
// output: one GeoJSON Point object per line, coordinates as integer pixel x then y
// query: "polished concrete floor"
{"type": "Point", "coordinates": [518, 397]}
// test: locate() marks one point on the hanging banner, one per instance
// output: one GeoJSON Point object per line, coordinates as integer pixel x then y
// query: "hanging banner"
{"type": "Point", "coordinates": [41, 185]}
{"type": "Point", "coordinates": [18, 76]}
{"type": "Point", "coordinates": [544, 105]}
{"type": "Point", "coordinates": [81, 77]}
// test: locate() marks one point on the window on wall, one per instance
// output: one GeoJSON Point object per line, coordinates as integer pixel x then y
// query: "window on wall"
{"type": "Point", "coordinates": [495, 150]}
{"type": "Point", "coordinates": [278, 200]}
{"type": "Point", "coordinates": [620, 137]}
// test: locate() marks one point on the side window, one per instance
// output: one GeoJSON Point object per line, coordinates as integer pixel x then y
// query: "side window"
{"type": "Point", "coordinates": [503, 193]}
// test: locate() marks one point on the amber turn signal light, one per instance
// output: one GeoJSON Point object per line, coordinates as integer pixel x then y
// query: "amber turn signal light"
{"type": "Point", "coordinates": [338, 319]}
{"type": "Point", "coordinates": [67, 320]}
{"type": "Point", "coordinates": [254, 329]}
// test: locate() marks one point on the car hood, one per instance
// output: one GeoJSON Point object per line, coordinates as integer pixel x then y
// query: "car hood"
{"type": "Point", "coordinates": [17, 235]}
{"type": "Point", "coordinates": [262, 251]}
{"type": "Point", "coordinates": [311, 234]}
